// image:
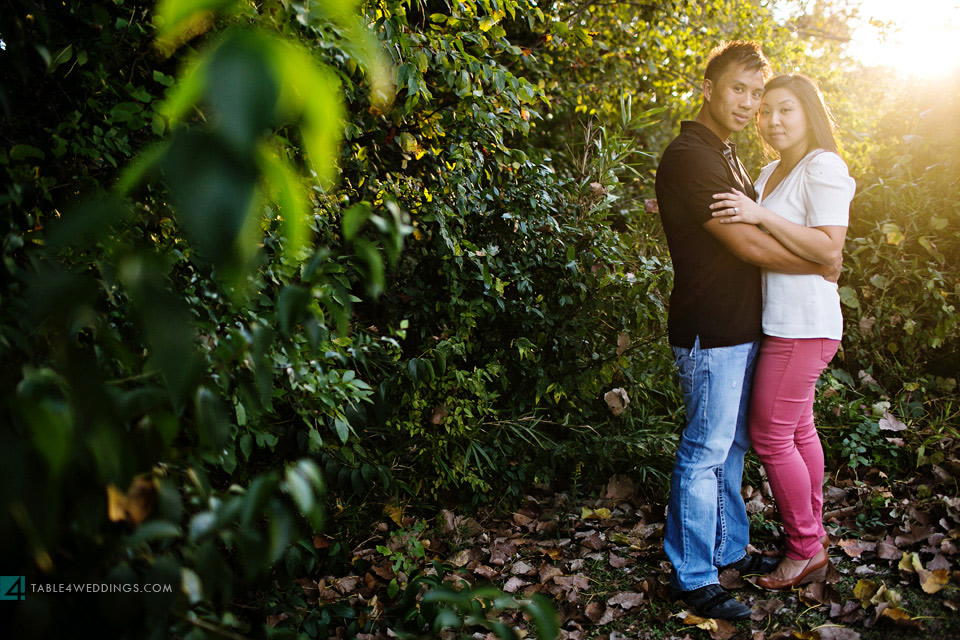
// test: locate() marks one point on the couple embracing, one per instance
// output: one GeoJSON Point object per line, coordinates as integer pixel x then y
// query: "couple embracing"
{"type": "Point", "coordinates": [754, 320]}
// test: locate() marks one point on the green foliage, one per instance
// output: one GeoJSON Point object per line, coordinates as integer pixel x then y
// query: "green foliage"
{"type": "Point", "coordinates": [264, 258]}
{"type": "Point", "coordinates": [478, 607]}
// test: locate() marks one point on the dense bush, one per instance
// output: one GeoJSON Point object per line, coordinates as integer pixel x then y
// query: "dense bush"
{"type": "Point", "coordinates": [285, 257]}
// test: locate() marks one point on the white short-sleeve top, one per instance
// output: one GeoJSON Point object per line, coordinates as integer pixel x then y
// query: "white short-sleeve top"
{"type": "Point", "coordinates": [817, 192]}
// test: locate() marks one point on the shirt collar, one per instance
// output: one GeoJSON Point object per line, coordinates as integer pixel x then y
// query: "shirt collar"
{"type": "Point", "coordinates": [704, 133]}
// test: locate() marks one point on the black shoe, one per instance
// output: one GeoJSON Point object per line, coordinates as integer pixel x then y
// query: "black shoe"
{"type": "Point", "coordinates": [712, 601]}
{"type": "Point", "coordinates": [753, 565]}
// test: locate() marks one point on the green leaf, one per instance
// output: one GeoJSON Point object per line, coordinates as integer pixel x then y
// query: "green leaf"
{"type": "Point", "coordinates": [154, 530]}
{"type": "Point", "coordinates": [186, 92]}
{"type": "Point", "coordinates": [292, 307]}
{"type": "Point", "coordinates": [242, 88]}
{"type": "Point", "coordinates": [85, 225]}
{"type": "Point", "coordinates": [284, 187]}
{"type": "Point", "coordinates": [848, 296]}
{"type": "Point", "coordinates": [376, 279]}
{"type": "Point", "coordinates": [211, 419]}
{"type": "Point", "coordinates": [214, 189]}
{"type": "Point", "coordinates": [311, 90]}
{"type": "Point", "coordinates": [343, 429]}
{"type": "Point", "coordinates": [354, 218]}
{"type": "Point", "coordinates": [60, 57]}
{"type": "Point", "coordinates": [178, 18]}
{"type": "Point", "coordinates": [544, 617]}
{"type": "Point", "coordinates": [892, 233]}
{"type": "Point", "coordinates": [162, 78]}
{"type": "Point", "coordinates": [25, 152]}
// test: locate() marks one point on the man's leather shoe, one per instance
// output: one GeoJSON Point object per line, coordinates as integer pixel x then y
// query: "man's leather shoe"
{"type": "Point", "coordinates": [712, 601]}
{"type": "Point", "coordinates": [810, 573]}
{"type": "Point", "coordinates": [753, 565]}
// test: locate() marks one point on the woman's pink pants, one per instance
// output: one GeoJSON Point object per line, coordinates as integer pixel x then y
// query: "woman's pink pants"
{"type": "Point", "coordinates": [783, 434]}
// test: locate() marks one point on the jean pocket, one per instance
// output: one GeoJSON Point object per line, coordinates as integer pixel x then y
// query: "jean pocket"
{"type": "Point", "coordinates": [686, 361]}
{"type": "Point", "coordinates": [828, 349]}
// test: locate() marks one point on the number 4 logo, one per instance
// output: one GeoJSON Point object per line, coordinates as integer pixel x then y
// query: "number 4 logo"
{"type": "Point", "coordinates": [13, 588]}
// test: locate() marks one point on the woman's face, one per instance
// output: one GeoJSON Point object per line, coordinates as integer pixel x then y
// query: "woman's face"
{"type": "Point", "coordinates": [783, 122]}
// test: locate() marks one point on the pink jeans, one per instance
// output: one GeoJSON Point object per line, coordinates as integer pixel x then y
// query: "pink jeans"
{"type": "Point", "coordinates": [783, 434]}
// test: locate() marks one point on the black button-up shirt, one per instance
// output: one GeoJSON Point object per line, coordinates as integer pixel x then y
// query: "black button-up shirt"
{"type": "Point", "coordinates": [715, 296]}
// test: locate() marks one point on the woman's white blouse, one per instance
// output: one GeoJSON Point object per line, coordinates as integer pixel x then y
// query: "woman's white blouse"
{"type": "Point", "coordinates": [816, 193]}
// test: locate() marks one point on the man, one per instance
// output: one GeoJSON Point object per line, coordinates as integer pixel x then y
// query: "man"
{"type": "Point", "coordinates": [714, 327]}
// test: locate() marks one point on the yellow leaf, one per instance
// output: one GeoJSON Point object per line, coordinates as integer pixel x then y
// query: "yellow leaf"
{"type": "Point", "coordinates": [933, 581]}
{"type": "Point", "coordinates": [865, 590]}
{"type": "Point", "coordinates": [893, 234]}
{"type": "Point", "coordinates": [135, 505]}
{"type": "Point", "coordinates": [896, 614]}
{"type": "Point", "coordinates": [393, 511]}
{"type": "Point", "coordinates": [910, 562]}
{"type": "Point", "coordinates": [708, 624]}
{"type": "Point", "coordinates": [116, 501]}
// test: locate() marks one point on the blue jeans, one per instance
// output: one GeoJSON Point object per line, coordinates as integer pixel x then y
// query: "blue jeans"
{"type": "Point", "coordinates": [707, 524]}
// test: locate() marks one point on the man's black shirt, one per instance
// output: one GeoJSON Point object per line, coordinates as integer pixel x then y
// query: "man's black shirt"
{"type": "Point", "coordinates": [715, 295]}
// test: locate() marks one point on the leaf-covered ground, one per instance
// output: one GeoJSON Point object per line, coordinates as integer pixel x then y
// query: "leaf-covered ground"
{"type": "Point", "coordinates": [600, 560]}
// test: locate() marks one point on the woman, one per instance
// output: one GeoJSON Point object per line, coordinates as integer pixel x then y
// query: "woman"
{"type": "Point", "coordinates": [810, 190]}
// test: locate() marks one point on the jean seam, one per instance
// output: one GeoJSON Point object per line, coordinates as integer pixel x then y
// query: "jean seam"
{"type": "Point", "coordinates": [721, 513]}
{"type": "Point", "coordinates": [694, 355]}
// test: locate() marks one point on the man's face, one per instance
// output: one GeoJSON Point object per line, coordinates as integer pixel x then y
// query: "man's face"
{"type": "Point", "coordinates": [732, 101]}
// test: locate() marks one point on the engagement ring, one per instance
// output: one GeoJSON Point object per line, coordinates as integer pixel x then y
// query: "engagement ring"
{"type": "Point", "coordinates": [736, 210]}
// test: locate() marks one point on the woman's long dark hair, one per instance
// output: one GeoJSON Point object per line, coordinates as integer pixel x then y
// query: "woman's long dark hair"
{"type": "Point", "coordinates": [818, 116]}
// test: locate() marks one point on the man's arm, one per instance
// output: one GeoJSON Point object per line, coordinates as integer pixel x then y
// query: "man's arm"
{"type": "Point", "coordinates": [753, 246]}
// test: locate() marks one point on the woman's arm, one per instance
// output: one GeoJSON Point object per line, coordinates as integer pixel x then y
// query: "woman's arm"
{"type": "Point", "coordinates": [823, 245]}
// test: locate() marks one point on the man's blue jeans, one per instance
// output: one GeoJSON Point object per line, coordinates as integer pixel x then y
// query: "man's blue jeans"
{"type": "Point", "coordinates": [707, 524]}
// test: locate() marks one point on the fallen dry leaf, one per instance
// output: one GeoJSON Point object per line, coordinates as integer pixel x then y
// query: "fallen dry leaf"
{"type": "Point", "coordinates": [845, 611]}
{"type": "Point", "coordinates": [708, 624]}
{"type": "Point", "coordinates": [864, 590]}
{"type": "Point", "coordinates": [514, 584]}
{"type": "Point", "coordinates": [617, 562]}
{"type": "Point", "coordinates": [393, 511]}
{"type": "Point", "coordinates": [623, 343]}
{"type": "Point", "coordinates": [933, 581]}
{"type": "Point", "coordinates": [833, 632]}
{"type": "Point", "coordinates": [384, 570]}
{"type": "Point", "coordinates": [549, 572]}
{"type": "Point", "coordinates": [521, 568]}
{"type": "Point", "coordinates": [594, 611]}
{"type": "Point", "coordinates": [938, 562]}
{"type": "Point", "coordinates": [627, 600]}
{"type": "Point", "coordinates": [724, 631]}
{"type": "Point", "coordinates": [485, 572]}
{"type": "Point", "coordinates": [135, 505]}
{"type": "Point", "coordinates": [763, 609]}
{"type": "Point", "coordinates": [887, 550]}
{"type": "Point", "coordinates": [890, 422]}
{"type": "Point", "coordinates": [910, 562]}
{"type": "Point", "coordinates": [851, 548]}
{"type": "Point", "coordinates": [347, 584]}
{"type": "Point", "coordinates": [610, 615]}
{"type": "Point", "coordinates": [617, 400]}
{"type": "Point", "coordinates": [900, 617]}
{"type": "Point", "coordinates": [439, 415]}
{"type": "Point", "coordinates": [593, 541]}
{"type": "Point", "coordinates": [595, 514]}
{"type": "Point", "coordinates": [730, 579]}
{"type": "Point", "coordinates": [620, 487]}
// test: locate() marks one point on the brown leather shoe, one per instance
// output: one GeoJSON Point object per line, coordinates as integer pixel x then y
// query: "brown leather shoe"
{"type": "Point", "coordinates": [807, 575]}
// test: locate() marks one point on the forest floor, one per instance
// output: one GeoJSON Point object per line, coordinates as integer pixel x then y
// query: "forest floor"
{"type": "Point", "coordinates": [600, 561]}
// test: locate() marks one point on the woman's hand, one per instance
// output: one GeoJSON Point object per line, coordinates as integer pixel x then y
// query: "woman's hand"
{"type": "Point", "coordinates": [737, 207]}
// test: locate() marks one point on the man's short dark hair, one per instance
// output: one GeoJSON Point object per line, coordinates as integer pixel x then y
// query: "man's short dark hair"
{"type": "Point", "coordinates": [738, 52]}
